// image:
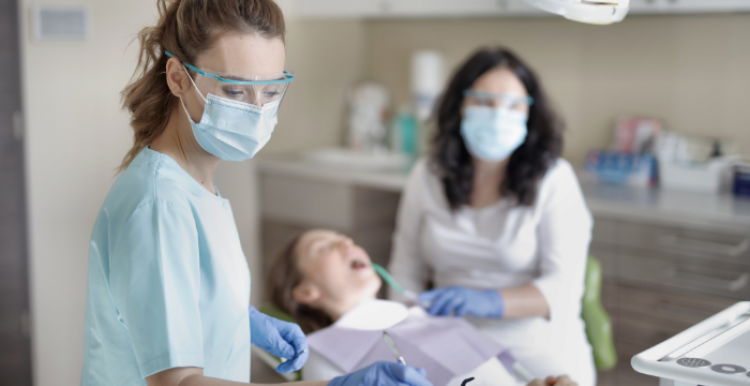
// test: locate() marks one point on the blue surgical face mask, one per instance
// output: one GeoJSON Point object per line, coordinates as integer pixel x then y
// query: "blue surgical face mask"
{"type": "Point", "coordinates": [493, 134]}
{"type": "Point", "coordinates": [231, 130]}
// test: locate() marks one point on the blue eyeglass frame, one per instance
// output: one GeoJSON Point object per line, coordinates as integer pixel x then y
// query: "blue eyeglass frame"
{"type": "Point", "coordinates": [481, 94]}
{"type": "Point", "coordinates": [288, 77]}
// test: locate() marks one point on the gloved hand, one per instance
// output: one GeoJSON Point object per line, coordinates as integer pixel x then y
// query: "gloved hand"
{"type": "Point", "coordinates": [463, 301]}
{"type": "Point", "coordinates": [279, 338]}
{"type": "Point", "coordinates": [383, 374]}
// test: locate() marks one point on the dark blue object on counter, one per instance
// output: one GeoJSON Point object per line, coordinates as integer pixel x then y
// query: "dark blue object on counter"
{"type": "Point", "coordinates": [742, 182]}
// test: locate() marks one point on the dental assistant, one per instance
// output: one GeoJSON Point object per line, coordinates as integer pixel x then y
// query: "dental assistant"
{"type": "Point", "coordinates": [496, 220]}
{"type": "Point", "coordinates": [168, 284]}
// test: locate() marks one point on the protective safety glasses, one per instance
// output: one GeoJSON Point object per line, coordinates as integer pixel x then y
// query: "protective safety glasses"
{"type": "Point", "coordinates": [244, 88]}
{"type": "Point", "coordinates": [508, 101]}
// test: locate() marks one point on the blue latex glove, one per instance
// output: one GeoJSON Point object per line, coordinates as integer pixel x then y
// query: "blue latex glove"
{"type": "Point", "coordinates": [279, 338]}
{"type": "Point", "coordinates": [462, 301]}
{"type": "Point", "coordinates": [383, 374]}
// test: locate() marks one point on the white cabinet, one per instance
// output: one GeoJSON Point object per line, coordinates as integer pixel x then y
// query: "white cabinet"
{"type": "Point", "coordinates": [710, 5]}
{"type": "Point", "coordinates": [337, 8]}
{"type": "Point", "coordinates": [413, 8]}
{"type": "Point", "coordinates": [437, 8]}
{"type": "Point", "coordinates": [688, 6]}
{"type": "Point", "coordinates": [648, 6]}
{"type": "Point", "coordinates": [484, 8]}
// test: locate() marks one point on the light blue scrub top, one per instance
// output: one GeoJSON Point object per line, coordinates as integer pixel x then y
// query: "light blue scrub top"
{"type": "Point", "coordinates": [168, 284]}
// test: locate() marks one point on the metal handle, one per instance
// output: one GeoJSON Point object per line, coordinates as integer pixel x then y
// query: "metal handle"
{"type": "Point", "coordinates": [731, 285]}
{"type": "Point", "coordinates": [693, 245]}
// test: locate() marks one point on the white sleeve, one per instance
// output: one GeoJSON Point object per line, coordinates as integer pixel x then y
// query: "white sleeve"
{"type": "Point", "coordinates": [407, 265]}
{"type": "Point", "coordinates": [564, 234]}
{"type": "Point", "coordinates": [318, 368]}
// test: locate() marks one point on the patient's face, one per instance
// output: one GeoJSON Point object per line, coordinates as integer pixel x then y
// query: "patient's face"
{"type": "Point", "coordinates": [339, 270]}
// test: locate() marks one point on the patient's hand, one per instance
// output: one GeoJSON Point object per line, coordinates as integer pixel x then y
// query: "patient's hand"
{"type": "Point", "coordinates": [563, 380]}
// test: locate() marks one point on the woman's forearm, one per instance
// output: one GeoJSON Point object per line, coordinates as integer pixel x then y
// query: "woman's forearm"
{"type": "Point", "coordinates": [206, 381]}
{"type": "Point", "coordinates": [524, 302]}
{"type": "Point", "coordinates": [193, 376]}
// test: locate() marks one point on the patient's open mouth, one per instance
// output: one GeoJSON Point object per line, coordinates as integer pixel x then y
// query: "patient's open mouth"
{"type": "Point", "coordinates": [358, 264]}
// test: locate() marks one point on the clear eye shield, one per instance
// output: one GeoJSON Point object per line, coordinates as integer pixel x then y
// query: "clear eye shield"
{"type": "Point", "coordinates": [507, 101]}
{"type": "Point", "coordinates": [243, 88]}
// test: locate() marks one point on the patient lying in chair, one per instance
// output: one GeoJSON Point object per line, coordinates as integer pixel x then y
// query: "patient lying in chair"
{"type": "Point", "coordinates": [327, 284]}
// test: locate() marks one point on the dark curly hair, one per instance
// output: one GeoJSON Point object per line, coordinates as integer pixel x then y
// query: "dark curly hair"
{"type": "Point", "coordinates": [527, 165]}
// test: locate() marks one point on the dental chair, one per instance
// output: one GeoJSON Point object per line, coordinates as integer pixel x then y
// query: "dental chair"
{"type": "Point", "coordinates": [598, 324]}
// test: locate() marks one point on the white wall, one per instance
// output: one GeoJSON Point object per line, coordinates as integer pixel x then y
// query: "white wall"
{"type": "Point", "coordinates": [690, 70]}
{"type": "Point", "coordinates": [326, 58]}
{"type": "Point", "coordinates": [76, 137]}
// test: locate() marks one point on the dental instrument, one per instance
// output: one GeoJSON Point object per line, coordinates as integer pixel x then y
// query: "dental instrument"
{"type": "Point", "coordinates": [397, 287]}
{"type": "Point", "coordinates": [392, 345]}
{"type": "Point", "coordinates": [284, 360]}
{"type": "Point", "coordinates": [522, 374]}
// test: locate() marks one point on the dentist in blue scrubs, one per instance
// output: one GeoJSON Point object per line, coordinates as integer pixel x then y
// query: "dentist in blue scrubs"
{"type": "Point", "coordinates": [168, 299]}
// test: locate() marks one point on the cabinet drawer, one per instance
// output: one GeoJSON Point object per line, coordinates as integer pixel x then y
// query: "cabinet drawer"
{"type": "Point", "coordinates": [696, 275]}
{"type": "Point", "coordinates": [624, 375]}
{"type": "Point", "coordinates": [604, 231]}
{"type": "Point", "coordinates": [606, 256]}
{"type": "Point", "coordinates": [643, 332]}
{"type": "Point", "coordinates": [609, 296]}
{"type": "Point", "coordinates": [672, 307]}
{"type": "Point", "coordinates": [727, 246]}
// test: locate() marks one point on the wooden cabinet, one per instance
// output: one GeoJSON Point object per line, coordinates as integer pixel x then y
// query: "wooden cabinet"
{"type": "Point", "coordinates": [688, 6]}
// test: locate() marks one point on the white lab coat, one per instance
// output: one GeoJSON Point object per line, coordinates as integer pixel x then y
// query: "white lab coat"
{"type": "Point", "coordinates": [500, 246]}
{"type": "Point", "coordinates": [379, 315]}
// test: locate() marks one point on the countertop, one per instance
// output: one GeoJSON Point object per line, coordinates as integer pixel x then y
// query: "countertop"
{"type": "Point", "coordinates": [617, 202]}
{"type": "Point", "coordinates": [667, 206]}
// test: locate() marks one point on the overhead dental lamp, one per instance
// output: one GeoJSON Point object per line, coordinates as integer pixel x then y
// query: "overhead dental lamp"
{"type": "Point", "coordinates": [586, 11]}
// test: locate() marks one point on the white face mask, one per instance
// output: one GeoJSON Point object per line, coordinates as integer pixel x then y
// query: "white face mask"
{"type": "Point", "coordinates": [493, 134]}
{"type": "Point", "coordinates": [231, 130]}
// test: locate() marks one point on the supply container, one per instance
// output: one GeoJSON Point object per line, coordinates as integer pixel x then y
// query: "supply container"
{"type": "Point", "coordinates": [712, 176]}
{"type": "Point", "coordinates": [621, 168]}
